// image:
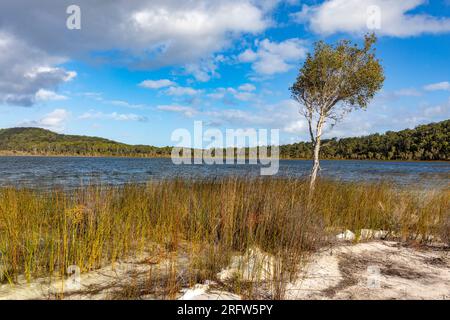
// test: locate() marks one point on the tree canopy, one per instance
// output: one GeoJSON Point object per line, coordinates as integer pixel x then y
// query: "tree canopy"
{"type": "Point", "coordinates": [335, 79]}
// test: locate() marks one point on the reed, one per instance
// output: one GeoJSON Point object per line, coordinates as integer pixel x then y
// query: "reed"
{"type": "Point", "coordinates": [208, 221]}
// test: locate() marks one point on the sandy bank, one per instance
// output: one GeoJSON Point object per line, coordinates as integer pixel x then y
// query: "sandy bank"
{"type": "Point", "coordinates": [371, 270]}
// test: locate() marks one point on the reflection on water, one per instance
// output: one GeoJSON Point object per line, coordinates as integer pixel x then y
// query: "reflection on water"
{"type": "Point", "coordinates": [45, 172]}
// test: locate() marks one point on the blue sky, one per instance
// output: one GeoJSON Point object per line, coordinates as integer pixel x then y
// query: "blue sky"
{"type": "Point", "coordinates": [136, 71]}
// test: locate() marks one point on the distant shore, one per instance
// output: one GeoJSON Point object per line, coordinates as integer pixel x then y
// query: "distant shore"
{"type": "Point", "coordinates": [24, 154]}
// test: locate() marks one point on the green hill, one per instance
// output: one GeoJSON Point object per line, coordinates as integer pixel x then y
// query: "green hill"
{"type": "Point", "coordinates": [426, 142]}
{"type": "Point", "coordinates": [36, 141]}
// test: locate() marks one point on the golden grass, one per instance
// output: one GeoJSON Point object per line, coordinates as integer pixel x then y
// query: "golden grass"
{"type": "Point", "coordinates": [42, 233]}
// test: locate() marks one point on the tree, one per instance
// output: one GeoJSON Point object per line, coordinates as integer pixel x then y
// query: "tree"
{"type": "Point", "coordinates": [333, 81]}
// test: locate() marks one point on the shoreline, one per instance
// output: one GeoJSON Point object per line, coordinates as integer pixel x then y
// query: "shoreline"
{"type": "Point", "coordinates": [27, 155]}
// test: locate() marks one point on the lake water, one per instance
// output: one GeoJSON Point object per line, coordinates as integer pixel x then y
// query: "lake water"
{"type": "Point", "coordinates": [69, 172]}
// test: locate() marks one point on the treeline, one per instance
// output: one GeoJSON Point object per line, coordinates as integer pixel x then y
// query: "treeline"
{"type": "Point", "coordinates": [36, 141]}
{"type": "Point", "coordinates": [426, 142]}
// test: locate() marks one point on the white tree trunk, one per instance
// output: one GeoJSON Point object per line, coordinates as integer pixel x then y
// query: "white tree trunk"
{"type": "Point", "coordinates": [316, 165]}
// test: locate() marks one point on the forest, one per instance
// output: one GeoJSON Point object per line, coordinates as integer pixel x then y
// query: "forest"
{"type": "Point", "coordinates": [425, 142]}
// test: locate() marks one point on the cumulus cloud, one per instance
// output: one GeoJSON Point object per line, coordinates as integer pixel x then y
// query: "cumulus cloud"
{"type": "Point", "coordinates": [181, 91]}
{"type": "Point", "coordinates": [154, 32]}
{"type": "Point", "coordinates": [186, 111]}
{"type": "Point", "coordinates": [445, 85]}
{"type": "Point", "coordinates": [145, 34]}
{"type": "Point", "coordinates": [112, 116]}
{"type": "Point", "coordinates": [47, 95]}
{"type": "Point", "coordinates": [125, 104]}
{"type": "Point", "coordinates": [28, 74]}
{"type": "Point", "coordinates": [156, 84]}
{"type": "Point", "coordinates": [355, 16]}
{"type": "Point", "coordinates": [97, 96]}
{"type": "Point", "coordinates": [242, 93]}
{"type": "Point", "coordinates": [173, 90]}
{"type": "Point", "coordinates": [247, 87]}
{"type": "Point", "coordinates": [269, 57]}
{"type": "Point", "coordinates": [285, 115]}
{"type": "Point", "coordinates": [55, 121]}
{"type": "Point", "coordinates": [387, 115]}
{"type": "Point", "coordinates": [205, 69]}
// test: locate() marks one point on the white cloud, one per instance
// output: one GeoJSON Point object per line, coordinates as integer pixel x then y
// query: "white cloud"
{"type": "Point", "coordinates": [391, 96]}
{"type": "Point", "coordinates": [244, 96]}
{"type": "Point", "coordinates": [47, 95]}
{"type": "Point", "coordinates": [112, 116]}
{"type": "Point", "coordinates": [247, 87]}
{"type": "Point", "coordinates": [445, 85]}
{"type": "Point", "coordinates": [181, 91]}
{"type": "Point", "coordinates": [155, 32]}
{"type": "Point", "coordinates": [55, 121]}
{"type": "Point", "coordinates": [407, 92]}
{"type": "Point", "coordinates": [97, 96]}
{"type": "Point", "coordinates": [173, 90]}
{"type": "Point", "coordinates": [353, 16]}
{"type": "Point", "coordinates": [217, 95]}
{"type": "Point", "coordinates": [27, 74]}
{"type": "Point", "coordinates": [381, 117]}
{"type": "Point", "coordinates": [205, 69]}
{"type": "Point", "coordinates": [437, 110]}
{"type": "Point", "coordinates": [296, 127]}
{"type": "Point", "coordinates": [186, 111]}
{"type": "Point", "coordinates": [156, 84]}
{"type": "Point", "coordinates": [146, 34]}
{"type": "Point", "coordinates": [70, 75]}
{"type": "Point", "coordinates": [271, 57]}
{"type": "Point", "coordinates": [125, 104]}
{"type": "Point", "coordinates": [243, 93]}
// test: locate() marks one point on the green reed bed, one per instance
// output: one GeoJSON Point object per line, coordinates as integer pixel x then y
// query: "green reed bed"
{"type": "Point", "coordinates": [42, 233]}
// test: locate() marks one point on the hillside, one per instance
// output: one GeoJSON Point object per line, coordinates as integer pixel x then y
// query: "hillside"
{"type": "Point", "coordinates": [426, 142]}
{"type": "Point", "coordinates": [36, 141]}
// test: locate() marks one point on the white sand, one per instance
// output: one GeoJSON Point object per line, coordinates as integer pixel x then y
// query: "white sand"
{"type": "Point", "coordinates": [371, 270]}
{"type": "Point", "coordinates": [374, 270]}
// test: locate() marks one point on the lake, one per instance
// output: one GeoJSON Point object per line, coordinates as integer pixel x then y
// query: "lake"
{"type": "Point", "coordinates": [70, 172]}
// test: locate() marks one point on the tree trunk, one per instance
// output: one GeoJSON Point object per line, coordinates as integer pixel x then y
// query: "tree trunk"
{"type": "Point", "coordinates": [316, 165]}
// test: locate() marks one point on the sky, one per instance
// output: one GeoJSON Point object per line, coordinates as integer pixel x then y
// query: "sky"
{"type": "Point", "coordinates": [136, 71]}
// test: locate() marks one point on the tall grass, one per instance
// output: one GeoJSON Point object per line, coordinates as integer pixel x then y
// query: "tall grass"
{"type": "Point", "coordinates": [42, 233]}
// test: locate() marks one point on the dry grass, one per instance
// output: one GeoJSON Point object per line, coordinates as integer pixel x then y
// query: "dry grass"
{"type": "Point", "coordinates": [42, 233]}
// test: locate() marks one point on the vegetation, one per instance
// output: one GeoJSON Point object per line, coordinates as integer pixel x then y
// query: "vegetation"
{"type": "Point", "coordinates": [426, 142]}
{"type": "Point", "coordinates": [42, 233]}
{"type": "Point", "coordinates": [333, 81]}
{"type": "Point", "coordinates": [36, 141]}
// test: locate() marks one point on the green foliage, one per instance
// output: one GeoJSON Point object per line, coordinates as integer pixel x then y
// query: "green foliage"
{"type": "Point", "coordinates": [426, 142]}
{"type": "Point", "coordinates": [38, 141]}
{"type": "Point", "coordinates": [337, 78]}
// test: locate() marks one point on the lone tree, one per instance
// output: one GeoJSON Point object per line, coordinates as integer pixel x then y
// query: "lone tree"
{"type": "Point", "coordinates": [333, 81]}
